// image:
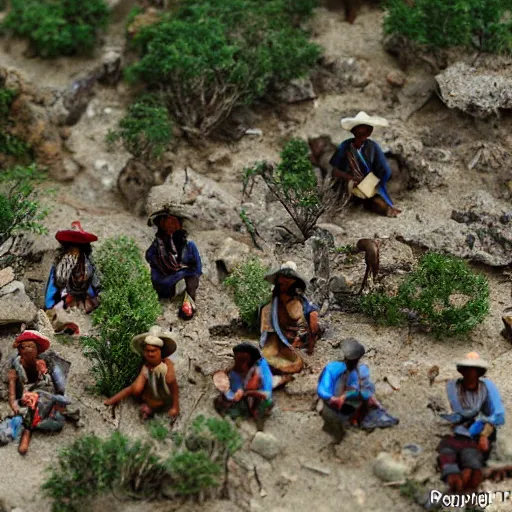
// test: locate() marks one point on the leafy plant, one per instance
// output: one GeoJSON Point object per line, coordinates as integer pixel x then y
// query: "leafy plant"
{"type": "Point", "coordinates": [158, 429]}
{"type": "Point", "coordinates": [442, 295]}
{"type": "Point", "coordinates": [20, 207]}
{"type": "Point", "coordinates": [294, 183]}
{"type": "Point", "coordinates": [129, 306]}
{"type": "Point", "coordinates": [207, 57]}
{"type": "Point", "coordinates": [250, 289]}
{"type": "Point", "coordinates": [58, 27]}
{"type": "Point", "coordinates": [446, 23]}
{"type": "Point", "coordinates": [146, 130]}
{"type": "Point", "coordinates": [10, 144]}
{"type": "Point", "coordinates": [91, 466]}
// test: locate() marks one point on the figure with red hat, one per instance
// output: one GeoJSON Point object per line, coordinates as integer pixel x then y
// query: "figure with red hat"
{"type": "Point", "coordinates": [36, 386]}
{"type": "Point", "coordinates": [73, 280]}
{"type": "Point", "coordinates": [173, 258]}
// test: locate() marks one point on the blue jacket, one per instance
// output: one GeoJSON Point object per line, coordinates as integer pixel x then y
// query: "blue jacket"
{"type": "Point", "coordinates": [238, 382]}
{"type": "Point", "coordinates": [358, 380]}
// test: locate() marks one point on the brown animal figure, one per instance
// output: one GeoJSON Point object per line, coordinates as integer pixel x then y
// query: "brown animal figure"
{"type": "Point", "coordinates": [371, 258]}
{"type": "Point", "coordinates": [134, 183]}
{"type": "Point", "coordinates": [321, 150]}
{"type": "Point", "coordinates": [432, 374]}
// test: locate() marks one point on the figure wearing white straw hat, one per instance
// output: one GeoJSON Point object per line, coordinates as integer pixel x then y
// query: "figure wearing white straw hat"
{"type": "Point", "coordinates": [156, 384]}
{"type": "Point", "coordinates": [360, 163]}
{"type": "Point", "coordinates": [477, 413]}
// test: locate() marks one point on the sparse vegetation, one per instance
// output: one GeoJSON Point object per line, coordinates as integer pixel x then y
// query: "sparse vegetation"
{"type": "Point", "coordinates": [10, 144]}
{"type": "Point", "coordinates": [92, 466]}
{"type": "Point", "coordinates": [21, 210]}
{"type": "Point", "coordinates": [484, 24]}
{"type": "Point", "coordinates": [58, 27]}
{"type": "Point", "coordinates": [442, 295]}
{"type": "Point", "coordinates": [146, 129]}
{"type": "Point", "coordinates": [250, 289]}
{"type": "Point", "coordinates": [129, 306]}
{"type": "Point", "coordinates": [208, 57]}
{"type": "Point", "coordinates": [295, 185]}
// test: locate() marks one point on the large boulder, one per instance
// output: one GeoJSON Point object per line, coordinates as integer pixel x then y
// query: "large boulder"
{"type": "Point", "coordinates": [15, 306]}
{"type": "Point", "coordinates": [479, 92]}
{"type": "Point", "coordinates": [482, 232]}
{"type": "Point", "coordinates": [201, 198]}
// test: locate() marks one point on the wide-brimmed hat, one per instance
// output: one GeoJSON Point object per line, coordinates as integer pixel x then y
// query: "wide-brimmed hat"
{"type": "Point", "coordinates": [473, 360]}
{"type": "Point", "coordinates": [177, 211]}
{"type": "Point", "coordinates": [352, 349]}
{"type": "Point", "coordinates": [41, 341]}
{"type": "Point", "coordinates": [347, 123]}
{"type": "Point", "coordinates": [248, 348]}
{"type": "Point", "coordinates": [155, 336]}
{"type": "Point", "coordinates": [288, 269]}
{"type": "Point", "coordinates": [75, 235]}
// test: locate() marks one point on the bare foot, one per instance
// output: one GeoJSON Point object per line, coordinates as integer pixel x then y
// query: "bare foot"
{"type": "Point", "coordinates": [394, 212]}
{"type": "Point", "coordinates": [25, 442]}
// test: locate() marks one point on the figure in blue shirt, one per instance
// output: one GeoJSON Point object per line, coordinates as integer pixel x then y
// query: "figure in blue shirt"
{"type": "Point", "coordinates": [250, 386]}
{"type": "Point", "coordinates": [355, 158]}
{"type": "Point", "coordinates": [477, 413]}
{"type": "Point", "coordinates": [349, 394]}
{"type": "Point", "coordinates": [172, 257]}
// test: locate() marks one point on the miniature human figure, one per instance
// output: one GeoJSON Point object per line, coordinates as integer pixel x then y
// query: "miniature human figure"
{"type": "Point", "coordinates": [172, 258]}
{"type": "Point", "coordinates": [248, 387]}
{"type": "Point", "coordinates": [357, 157]}
{"type": "Point", "coordinates": [349, 394]}
{"type": "Point", "coordinates": [156, 384]}
{"type": "Point", "coordinates": [477, 413]}
{"type": "Point", "coordinates": [35, 391]}
{"type": "Point", "coordinates": [73, 280]}
{"type": "Point", "coordinates": [289, 322]}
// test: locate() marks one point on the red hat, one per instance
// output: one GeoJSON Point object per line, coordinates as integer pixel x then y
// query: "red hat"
{"type": "Point", "coordinates": [42, 342]}
{"type": "Point", "coordinates": [76, 235]}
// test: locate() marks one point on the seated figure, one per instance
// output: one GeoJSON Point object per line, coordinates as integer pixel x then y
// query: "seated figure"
{"type": "Point", "coordinates": [173, 257]}
{"type": "Point", "coordinates": [247, 389]}
{"type": "Point", "coordinates": [37, 386]}
{"type": "Point", "coordinates": [289, 322]}
{"type": "Point", "coordinates": [73, 280]}
{"type": "Point", "coordinates": [349, 394]}
{"type": "Point", "coordinates": [477, 413]}
{"type": "Point", "coordinates": [156, 384]}
{"type": "Point", "coordinates": [357, 157]}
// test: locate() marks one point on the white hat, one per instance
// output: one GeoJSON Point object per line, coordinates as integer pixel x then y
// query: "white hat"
{"type": "Point", "coordinates": [473, 360]}
{"type": "Point", "coordinates": [347, 123]}
{"type": "Point", "coordinates": [158, 338]}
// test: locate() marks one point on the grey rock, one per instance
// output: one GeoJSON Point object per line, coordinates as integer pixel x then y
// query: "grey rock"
{"type": "Point", "coordinates": [265, 445]}
{"type": "Point", "coordinates": [232, 253]}
{"type": "Point", "coordinates": [78, 95]}
{"type": "Point", "coordinates": [387, 469]}
{"type": "Point", "coordinates": [71, 169]}
{"type": "Point", "coordinates": [111, 67]}
{"type": "Point", "coordinates": [296, 91]}
{"type": "Point", "coordinates": [6, 276]}
{"type": "Point", "coordinates": [479, 92]}
{"type": "Point", "coordinates": [503, 448]}
{"type": "Point", "coordinates": [254, 131]}
{"type": "Point", "coordinates": [16, 307]}
{"type": "Point", "coordinates": [12, 287]}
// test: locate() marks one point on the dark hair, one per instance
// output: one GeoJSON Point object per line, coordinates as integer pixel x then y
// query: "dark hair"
{"type": "Point", "coordinates": [250, 349]}
{"type": "Point", "coordinates": [295, 289]}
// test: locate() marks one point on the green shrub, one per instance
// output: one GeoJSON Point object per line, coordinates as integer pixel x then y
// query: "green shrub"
{"type": "Point", "coordinates": [446, 23]}
{"type": "Point", "coordinates": [250, 289]}
{"type": "Point", "coordinates": [210, 56]}
{"type": "Point", "coordinates": [20, 207]}
{"type": "Point", "coordinates": [129, 306]}
{"type": "Point", "coordinates": [58, 27]}
{"type": "Point", "coordinates": [10, 144]}
{"type": "Point", "coordinates": [92, 466]}
{"type": "Point", "coordinates": [443, 295]}
{"type": "Point", "coordinates": [146, 130]}
{"type": "Point", "coordinates": [294, 183]}
{"type": "Point", "coordinates": [158, 429]}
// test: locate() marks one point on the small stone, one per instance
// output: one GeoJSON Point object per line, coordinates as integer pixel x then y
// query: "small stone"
{"type": "Point", "coordinates": [12, 287]}
{"type": "Point", "coordinates": [6, 276]}
{"type": "Point", "coordinates": [90, 112]}
{"type": "Point", "coordinates": [412, 449]}
{"type": "Point", "coordinates": [102, 166]}
{"type": "Point", "coordinates": [71, 168]}
{"type": "Point", "coordinates": [263, 493]}
{"type": "Point", "coordinates": [265, 445]}
{"type": "Point", "coordinates": [396, 78]}
{"type": "Point", "coordinates": [387, 469]}
{"type": "Point", "coordinates": [393, 381]}
{"type": "Point", "coordinates": [107, 111]}
{"type": "Point", "coordinates": [507, 321]}
{"type": "Point", "coordinates": [290, 478]}
{"type": "Point", "coordinates": [338, 284]}
{"type": "Point", "coordinates": [254, 131]}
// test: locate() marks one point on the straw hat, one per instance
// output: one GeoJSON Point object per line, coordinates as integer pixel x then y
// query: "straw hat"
{"type": "Point", "coordinates": [75, 235]}
{"type": "Point", "coordinates": [347, 123]}
{"type": "Point", "coordinates": [473, 360]}
{"type": "Point", "coordinates": [173, 210]}
{"type": "Point", "coordinates": [156, 337]}
{"type": "Point", "coordinates": [352, 349]}
{"type": "Point", "coordinates": [41, 341]}
{"type": "Point", "coordinates": [288, 269]}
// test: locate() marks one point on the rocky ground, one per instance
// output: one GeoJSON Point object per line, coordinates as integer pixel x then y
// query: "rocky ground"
{"type": "Point", "coordinates": [454, 191]}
